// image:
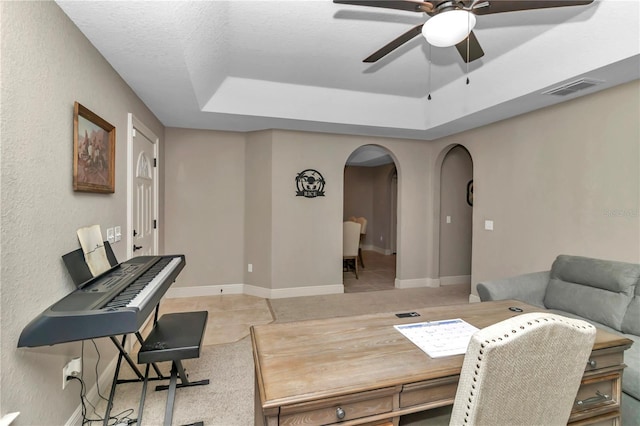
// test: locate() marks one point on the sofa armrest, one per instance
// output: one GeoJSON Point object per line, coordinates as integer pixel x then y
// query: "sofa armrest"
{"type": "Point", "coordinates": [528, 288]}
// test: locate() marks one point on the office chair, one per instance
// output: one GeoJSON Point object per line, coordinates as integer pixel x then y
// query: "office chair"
{"type": "Point", "coordinates": [350, 243]}
{"type": "Point", "coordinates": [363, 232]}
{"type": "Point", "coordinates": [519, 372]}
{"type": "Point", "coordinates": [522, 371]}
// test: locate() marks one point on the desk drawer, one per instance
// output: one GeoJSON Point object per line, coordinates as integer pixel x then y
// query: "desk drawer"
{"type": "Point", "coordinates": [608, 419]}
{"type": "Point", "coordinates": [597, 394]}
{"type": "Point", "coordinates": [436, 392]}
{"type": "Point", "coordinates": [339, 409]}
{"type": "Point", "coordinates": [604, 358]}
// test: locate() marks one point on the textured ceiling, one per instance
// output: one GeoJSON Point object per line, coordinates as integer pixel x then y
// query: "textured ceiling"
{"type": "Point", "coordinates": [252, 65]}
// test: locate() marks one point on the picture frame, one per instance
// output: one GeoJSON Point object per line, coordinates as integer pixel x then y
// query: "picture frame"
{"type": "Point", "coordinates": [94, 152]}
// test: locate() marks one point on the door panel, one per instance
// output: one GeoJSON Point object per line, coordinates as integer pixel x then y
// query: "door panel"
{"type": "Point", "coordinates": [143, 204]}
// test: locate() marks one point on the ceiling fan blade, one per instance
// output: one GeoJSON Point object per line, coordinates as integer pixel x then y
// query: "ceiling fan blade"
{"type": "Point", "coordinates": [475, 51]}
{"type": "Point", "coordinates": [500, 6]}
{"type": "Point", "coordinates": [409, 5]}
{"type": "Point", "coordinates": [393, 45]}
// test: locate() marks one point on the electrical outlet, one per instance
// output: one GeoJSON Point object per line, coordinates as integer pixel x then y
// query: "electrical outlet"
{"type": "Point", "coordinates": [73, 369]}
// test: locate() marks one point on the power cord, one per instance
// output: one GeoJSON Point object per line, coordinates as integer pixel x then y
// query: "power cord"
{"type": "Point", "coordinates": [121, 418]}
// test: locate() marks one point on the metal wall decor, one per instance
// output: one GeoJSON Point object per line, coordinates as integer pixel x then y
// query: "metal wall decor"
{"type": "Point", "coordinates": [309, 184]}
{"type": "Point", "coordinates": [470, 193]}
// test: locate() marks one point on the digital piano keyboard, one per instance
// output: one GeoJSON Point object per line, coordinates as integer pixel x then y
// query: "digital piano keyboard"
{"type": "Point", "coordinates": [114, 303]}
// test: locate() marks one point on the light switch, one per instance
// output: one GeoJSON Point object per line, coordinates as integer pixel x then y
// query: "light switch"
{"type": "Point", "coordinates": [250, 267]}
{"type": "Point", "coordinates": [117, 233]}
{"type": "Point", "coordinates": [110, 236]}
{"type": "Point", "coordinates": [448, 219]}
{"type": "Point", "coordinates": [488, 225]}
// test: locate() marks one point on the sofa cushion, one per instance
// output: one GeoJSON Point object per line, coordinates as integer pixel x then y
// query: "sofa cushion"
{"type": "Point", "coordinates": [631, 320]}
{"type": "Point", "coordinates": [620, 277]}
{"type": "Point", "coordinates": [592, 288]}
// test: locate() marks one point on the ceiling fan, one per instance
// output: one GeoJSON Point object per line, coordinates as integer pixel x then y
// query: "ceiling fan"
{"type": "Point", "coordinates": [451, 22]}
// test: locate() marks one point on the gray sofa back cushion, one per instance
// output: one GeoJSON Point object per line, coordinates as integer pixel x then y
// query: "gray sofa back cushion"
{"type": "Point", "coordinates": [631, 320]}
{"type": "Point", "coordinates": [593, 288]}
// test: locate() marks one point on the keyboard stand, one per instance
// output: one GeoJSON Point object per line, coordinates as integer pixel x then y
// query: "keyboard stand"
{"type": "Point", "coordinates": [122, 354]}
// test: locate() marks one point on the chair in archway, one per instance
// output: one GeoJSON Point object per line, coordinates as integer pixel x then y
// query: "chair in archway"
{"type": "Point", "coordinates": [363, 232]}
{"type": "Point", "coordinates": [350, 245]}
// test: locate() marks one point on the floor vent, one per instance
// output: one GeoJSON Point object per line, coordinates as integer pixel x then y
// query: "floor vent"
{"type": "Point", "coordinates": [574, 86]}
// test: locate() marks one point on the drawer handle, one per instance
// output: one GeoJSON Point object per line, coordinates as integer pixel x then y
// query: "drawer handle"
{"type": "Point", "coordinates": [592, 363]}
{"type": "Point", "coordinates": [600, 397]}
{"type": "Point", "coordinates": [340, 413]}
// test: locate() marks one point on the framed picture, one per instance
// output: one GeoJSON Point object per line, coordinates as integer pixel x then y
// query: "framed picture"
{"type": "Point", "coordinates": [94, 152]}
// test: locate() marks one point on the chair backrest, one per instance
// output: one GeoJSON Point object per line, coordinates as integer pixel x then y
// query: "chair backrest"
{"type": "Point", "coordinates": [363, 223]}
{"type": "Point", "coordinates": [350, 238]}
{"type": "Point", "coordinates": [522, 371]}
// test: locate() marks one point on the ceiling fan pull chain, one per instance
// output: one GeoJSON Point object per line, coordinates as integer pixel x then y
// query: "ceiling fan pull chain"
{"type": "Point", "coordinates": [468, 41]}
{"type": "Point", "coordinates": [429, 88]}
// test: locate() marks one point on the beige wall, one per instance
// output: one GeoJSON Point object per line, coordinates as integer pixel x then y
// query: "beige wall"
{"type": "Point", "coordinates": [258, 218]}
{"type": "Point", "coordinates": [204, 214]}
{"type": "Point", "coordinates": [47, 64]}
{"type": "Point", "coordinates": [294, 243]}
{"type": "Point", "coordinates": [358, 196]}
{"type": "Point", "coordinates": [564, 179]}
{"type": "Point", "coordinates": [553, 181]}
{"type": "Point", "coordinates": [379, 233]}
{"type": "Point", "coordinates": [367, 193]}
{"type": "Point", "coordinates": [455, 237]}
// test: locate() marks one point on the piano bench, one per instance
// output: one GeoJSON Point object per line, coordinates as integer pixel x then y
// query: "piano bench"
{"type": "Point", "coordinates": [174, 337]}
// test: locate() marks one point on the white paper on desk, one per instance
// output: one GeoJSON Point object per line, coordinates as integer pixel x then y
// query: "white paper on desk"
{"type": "Point", "coordinates": [93, 248]}
{"type": "Point", "coordinates": [439, 338]}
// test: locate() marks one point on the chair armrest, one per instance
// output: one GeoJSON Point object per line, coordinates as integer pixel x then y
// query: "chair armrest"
{"type": "Point", "coordinates": [528, 288]}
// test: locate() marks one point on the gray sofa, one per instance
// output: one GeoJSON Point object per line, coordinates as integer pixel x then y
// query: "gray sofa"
{"type": "Point", "coordinates": [603, 292]}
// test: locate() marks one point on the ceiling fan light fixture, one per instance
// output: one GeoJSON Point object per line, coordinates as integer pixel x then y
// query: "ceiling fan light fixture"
{"type": "Point", "coordinates": [448, 28]}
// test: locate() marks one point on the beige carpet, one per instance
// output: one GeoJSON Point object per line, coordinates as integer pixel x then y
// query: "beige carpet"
{"type": "Point", "coordinates": [230, 315]}
{"type": "Point", "coordinates": [229, 398]}
{"type": "Point", "coordinates": [226, 401]}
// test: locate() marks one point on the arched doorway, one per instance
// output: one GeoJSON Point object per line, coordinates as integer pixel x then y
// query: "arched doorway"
{"type": "Point", "coordinates": [456, 217]}
{"type": "Point", "coordinates": [369, 192]}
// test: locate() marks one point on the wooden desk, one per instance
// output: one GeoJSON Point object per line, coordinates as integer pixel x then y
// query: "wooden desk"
{"type": "Point", "coordinates": [360, 370]}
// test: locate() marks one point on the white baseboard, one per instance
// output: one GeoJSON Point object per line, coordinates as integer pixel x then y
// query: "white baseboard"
{"type": "Point", "coordinates": [251, 290]}
{"type": "Point", "coordinates": [204, 290]}
{"type": "Point", "coordinates": [474, 299]}
{"type": "Point", "coordinates": [104, 381]}
{"type": "Point", "coordinates": [417, 282]}
{"type": "Point", "coordinates": [380, 250]}
{"type": "Point", "coordinates": [455, 279]}
{"type": "Point", "coordinates": [317, 290]}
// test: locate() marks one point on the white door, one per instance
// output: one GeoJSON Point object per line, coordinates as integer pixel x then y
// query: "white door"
{"type": "Point", "coordinates": [143, 208]}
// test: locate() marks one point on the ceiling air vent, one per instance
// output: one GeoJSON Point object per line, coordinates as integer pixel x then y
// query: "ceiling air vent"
{"type": "Point", "coordinates": [574, 86]}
